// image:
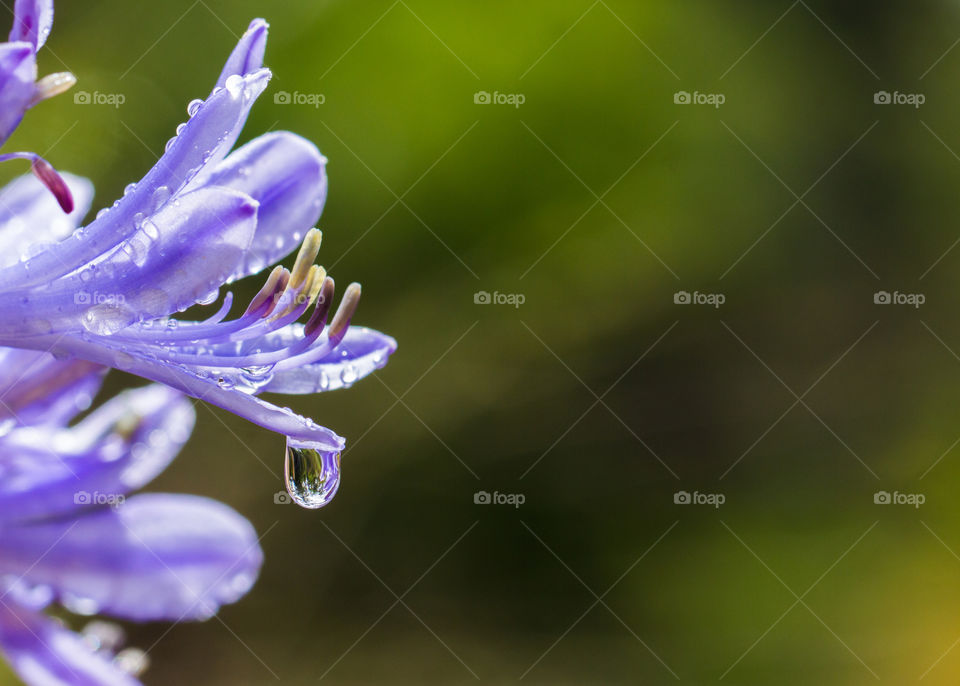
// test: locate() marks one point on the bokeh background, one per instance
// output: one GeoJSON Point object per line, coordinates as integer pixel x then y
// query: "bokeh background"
{"type": "Point", "coordinates": [599, 398]}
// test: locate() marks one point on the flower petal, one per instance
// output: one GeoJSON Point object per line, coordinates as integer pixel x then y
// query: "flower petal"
{"type": "Point", "coordinates": [18, 72]}
{"type": "Point", "coordinates": [207, 388]}
{"type": "Point", "coordinates": [43, 653]}
{"type": "Point", "coordinates": [247, 57]}
{"type": "Point", "coordinates": [119, 448]}
{"type": "Point", "coordinates": [30, 216]}
{"type": "Point", "coordinates": [32, 21]}
{"type": "Point", "coordinates": [36, 388]}
{"type": "Point", "coordinates": [204, 140]}
{"type": "Point", "coordinates": [178, 256]}
{"type": "Point", "coordinates": [361, 352]}
{"type": "Point", "coordinates": [156, 556]}
{"type": "Point", "coordinates": [286, 174]}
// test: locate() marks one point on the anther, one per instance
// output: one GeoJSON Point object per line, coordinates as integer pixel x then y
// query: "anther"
{"type": "Point", "coordinates": [341, 320]}
{"type": "Point", "coordinates": [54, 182]}
{"type": "Point", "coordinates": [266, 292]}
{"type": "Point", "coordinates": [319, 317]}
{"type": "Point", "coordinates": [51, 85]}
{"type": "Point", "coordinates": [306, 256]}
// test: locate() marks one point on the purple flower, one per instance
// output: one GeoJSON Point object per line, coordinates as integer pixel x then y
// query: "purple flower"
{"type": "Point", "coordinates": [201, 218]}
{"type": "Point", "coordinates": [69, 533]}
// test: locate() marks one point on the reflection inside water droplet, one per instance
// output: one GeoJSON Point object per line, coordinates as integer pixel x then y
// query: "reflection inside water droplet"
{"type": "Point", "coordinates": [311, 475]}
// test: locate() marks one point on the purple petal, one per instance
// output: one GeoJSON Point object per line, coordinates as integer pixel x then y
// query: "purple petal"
{"type": "Point", "coordinates": [204, 140]}
{"type": "Point", "coordinates": [18, 72]}
{"type": "Point", "coordinates": [247, 57]}
{"type": "Point", "coordinates": [119, 448]}
{"type": "Point", "coordinates": [361, 352]}
{"type": "Point", "coordinates": [156, 556]}
{"type": "Point", "coordinates": [37, 389]}
{"type": "Point", "coordinates": [43, 653]}
{"type": "Point", "coordinates": [206, 387]}
{"type": "Point", "coordinates": [30, 216]}
{"type": "Point", "coordinates": [180, 255]}
{"type": "Point", "coordinates": [32, 21]}
{"type": "Point", "coordinates": [286, 175]}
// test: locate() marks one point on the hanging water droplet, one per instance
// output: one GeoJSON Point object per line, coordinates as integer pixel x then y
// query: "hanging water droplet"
{"type": "Point", "coordinates": [129, 188]}
{"type": "Point", "coordinates": [311, 475]}
{"type": "Point", "coordinates": [194, 106]}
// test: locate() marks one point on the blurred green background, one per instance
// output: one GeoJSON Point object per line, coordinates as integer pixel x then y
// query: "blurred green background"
{"type": "Point", "coordinates": [599, 398]}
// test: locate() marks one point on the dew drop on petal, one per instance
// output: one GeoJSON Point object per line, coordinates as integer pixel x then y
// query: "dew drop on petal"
{"type": "Point", "coordinates": [234, 85]}
{"type": "Point", "coordinates": [194, 106]}
{"type": "Point", "coordinates": [311, 475]}
{"type": "Point", "coordinates": [103, 636]}
{"type": "Point", "coordinates": [6, 425]}
{"type": "Point", "coordinates": [133, 661]}
{"type": "Point", "coordinates": [79, 605]}
{"type": "Point", "coordinates": [107, 319]}
{"type": "Point", "coordinates": [160, 197]}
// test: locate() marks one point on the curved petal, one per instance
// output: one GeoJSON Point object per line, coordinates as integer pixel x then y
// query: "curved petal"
{"type": "Point", "coordinates": [286, 174]}
{"type": "Point", "coordinates": [18, 73]}
{"type": "Point", "coordinates": [43, 653]}
{"type": "Point", "coordinates": [178, 256]}
{"type": "Point", "coordinates": [361, 352]}
{"type": "Point", "coordinates": [32, 21]}
{"type": "Point", "coordinates": [247, 57]}
{"type": "Point", "coordinates": [38, 389]}
{"type": "Point", "coordinates": [31, 218]}
{"type": "Point", "coordinates": [119, 448]}
{"type": "Point", "coordinates": [209, 389]}
{"type": "Point", "coordinates": [156, 556]}
{"type": "Point", "coordinates": [204, 140]}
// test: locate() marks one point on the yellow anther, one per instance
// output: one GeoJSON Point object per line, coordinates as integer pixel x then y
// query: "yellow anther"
{"type": "Point", "coordinates": [51, 85]}
{"type": "Point", "coordinates": [317, 274]}
{"type": "Point", "coordinates": [306, 256]}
